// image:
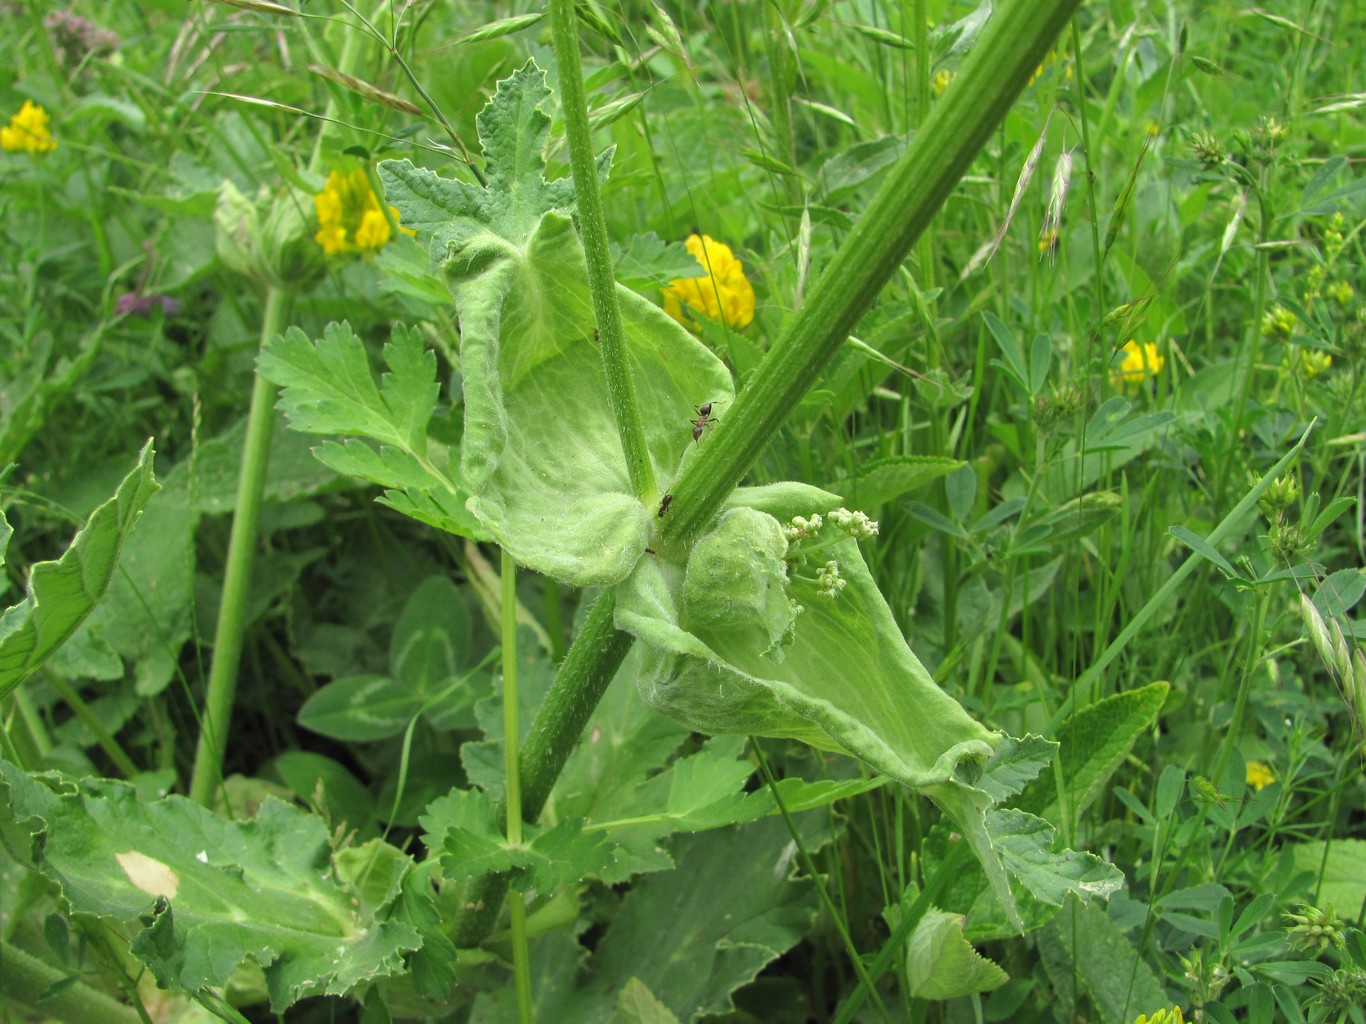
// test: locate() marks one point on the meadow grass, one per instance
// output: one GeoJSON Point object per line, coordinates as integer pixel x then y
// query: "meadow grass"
{"type": "Point", "coordinates": [1062, 410]}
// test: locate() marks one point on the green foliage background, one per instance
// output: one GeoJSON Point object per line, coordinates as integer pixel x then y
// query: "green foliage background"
{"type": "Point", "coordinates": [1110, 564]}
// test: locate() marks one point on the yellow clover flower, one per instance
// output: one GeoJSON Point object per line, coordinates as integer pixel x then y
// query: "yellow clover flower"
{"type": "Point", "coordinates": [1172, 1016]}
{"type": "Point", "coordinates": [1259, 775]}
{"type": "Point", "coordinates": [27, 131]}
{"type": "Point", "coordinates": [350, 218]}
{"type": "Point", "coordinates": [723, 293]}
{"type": "Point", "coordinates": [1140, 362]}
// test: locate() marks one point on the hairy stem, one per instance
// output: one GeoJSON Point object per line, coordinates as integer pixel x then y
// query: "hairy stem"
{"type": "Point", "coordinates": [958, 126]}
{"type": "Point", "coordinates": [521, 956]}
{"type": "Point", "coordinates": [1010, 49]}
{"type": "Point", "coordinates": [28, 979]}
{"type": "Point", "coordinates": [621, 394]}
{"type": "Point", "coordinates": [227, 645]}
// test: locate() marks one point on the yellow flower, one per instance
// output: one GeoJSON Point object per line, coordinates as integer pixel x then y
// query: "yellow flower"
{"type": "Point", "coordinates": [1259, 775]}
{"type": "Point", "coordinates": [1314, 363]}
{"type": "Point", "coordinates": [941, 81]}
{"type": "Point", "coordinates": [1140, 362]}
{"type": "Point", "coordinates": [1172, 1016]}
{"type": "Point", "coordinates": [1279, 322]}
{"type": "Point", "coordinates": [723, 293]}
{"type": "Point", "coordinates": [1341, 291]}
{"type": "Point", "coordinates": [27, 131]}
{"type": "Point", "coordinates": [350, 218]}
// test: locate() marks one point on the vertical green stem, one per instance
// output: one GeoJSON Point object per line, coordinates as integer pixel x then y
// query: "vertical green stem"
{"type": "Point", "coordinates": [227, 647]}
{"type": "Point", "coordinates": [593, 659]}
{"type": "Point", "coordinates": [602, 285]}
{"type": "Point", "coordinates": [958, 126]}
{"type": "Point", "coordinates": [1250, 663]}
{"type": "Point", "coordinates": [28, 979]}
{"type": "Point", "coordinates": [521, 960]}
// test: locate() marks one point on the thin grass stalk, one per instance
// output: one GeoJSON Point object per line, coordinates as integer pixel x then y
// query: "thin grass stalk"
{"type": "Point", "coordinates": [602, 285]}
{"type": "Point", "coordinates": [1083, 690]}
{"type": "Point", "coordinates": [521, 954]}
{"type": "Point", "coordinates": [809, 866]}
{"type": "Point", "coordinates": [231, 629]}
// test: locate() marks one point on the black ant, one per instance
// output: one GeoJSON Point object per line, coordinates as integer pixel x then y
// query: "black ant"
{"type": "Point", "coordinates": [703, 420]}
{"type": "Point", "coordinates": [664, 504]}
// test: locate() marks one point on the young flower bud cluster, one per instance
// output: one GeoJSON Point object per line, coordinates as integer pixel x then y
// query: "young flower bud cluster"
{"type": "Point", "coordinates": [1315, 929]}
{"type": "Point", "coordinates": [856, 524]}
{"type": "Point", "coordinates": [830, 579]}
{"type": "Point", "coordinates": [803, 528]}
{"type": "Point", "coordinates": [1208, 150]}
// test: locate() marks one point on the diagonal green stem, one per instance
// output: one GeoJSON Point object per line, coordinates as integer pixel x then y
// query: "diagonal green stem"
{"type": "Point", "coordinates": [975, 103]}
{"type": "Point", "coordinates": [227, 646]}
{"type": "Point", "coordinates": [1008, 52]}
{"type": "Point", "coordinates": [593, 659]}
{"type": "Point", "coordinates": [27, 980]}
{"type": "Point", "coordinates": [592, 222]}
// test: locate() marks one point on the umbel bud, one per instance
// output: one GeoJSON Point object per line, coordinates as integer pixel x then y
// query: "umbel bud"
{"type": "Point", "coordinates": [269, 239]}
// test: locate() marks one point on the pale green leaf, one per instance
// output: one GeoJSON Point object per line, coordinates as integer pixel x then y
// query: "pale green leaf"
{"type": "Point", "coordinates": [540, 455]}
{"type": "Point", "coordinates": [847, 681]}
{"type": "Point", "coordinates": [1340, 880]}
{"type": "Point", "coordinates": [1025, 845]}
{"type": "Point", "coordinates": [328, 387]}
{"type": "Point", "coordinates": [1014, 764]}
{"type": "Point", "coordinates": [941, 963]}
{"type": "Point", "coordinates": [205, 895]}
{"type": "Point", "coordinates": [1083, 949]}
{"type": "Point", "coordinates": [63, 592]}
{"type": "Point", "coordinates": [1094, 743]}
{"type": "Point", "coordinates": [360, 709]}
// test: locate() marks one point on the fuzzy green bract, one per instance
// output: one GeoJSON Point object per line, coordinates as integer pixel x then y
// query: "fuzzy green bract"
{"type": "Point", "coordinates": [729, 653]}
{"type": "Point", "coordinates": [541, 456]}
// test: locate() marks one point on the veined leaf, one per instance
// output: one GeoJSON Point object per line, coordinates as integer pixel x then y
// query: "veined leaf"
{"type": "Point", "coordinates": [541, 456]}
{"type": "Point", "coordinates": [62, 593]}
{"type": "Point", "coordinates": [329, 388]}
{"type": "Point", "coordinates": [205, 895]}
{"type": "Point", "coordinates": [1094, 743]}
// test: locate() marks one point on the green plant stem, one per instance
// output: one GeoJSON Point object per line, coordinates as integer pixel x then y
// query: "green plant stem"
{"type": "Point", "coordinates": [945, 873]}
{"type": "Point", "coordinates": [227, 647]}
{"type": "Point", "coordinates": [956, 129]}
{"type": "Point", "coordinates": [107, 743]}
{"type": "Point", "coordinates": [1253, 659]}
{"type": "Point", "coordinates": [1082, 689]}
{"type": "Point", "coordinates": [809, 866]}
{"type": "Point", "coordinates": [959, 125]}
{"type": "Point", "coordinates": [592, 222]}
{"type": "Point", "coordinates": [592, 661]}
{"type": "Point", "coordinates": [26, 979]}
{"type": "Point", "coordinates": [521, 957]}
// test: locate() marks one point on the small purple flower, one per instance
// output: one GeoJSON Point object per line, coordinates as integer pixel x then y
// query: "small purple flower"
{"type": "Point", "coordinates": [133, 304]}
